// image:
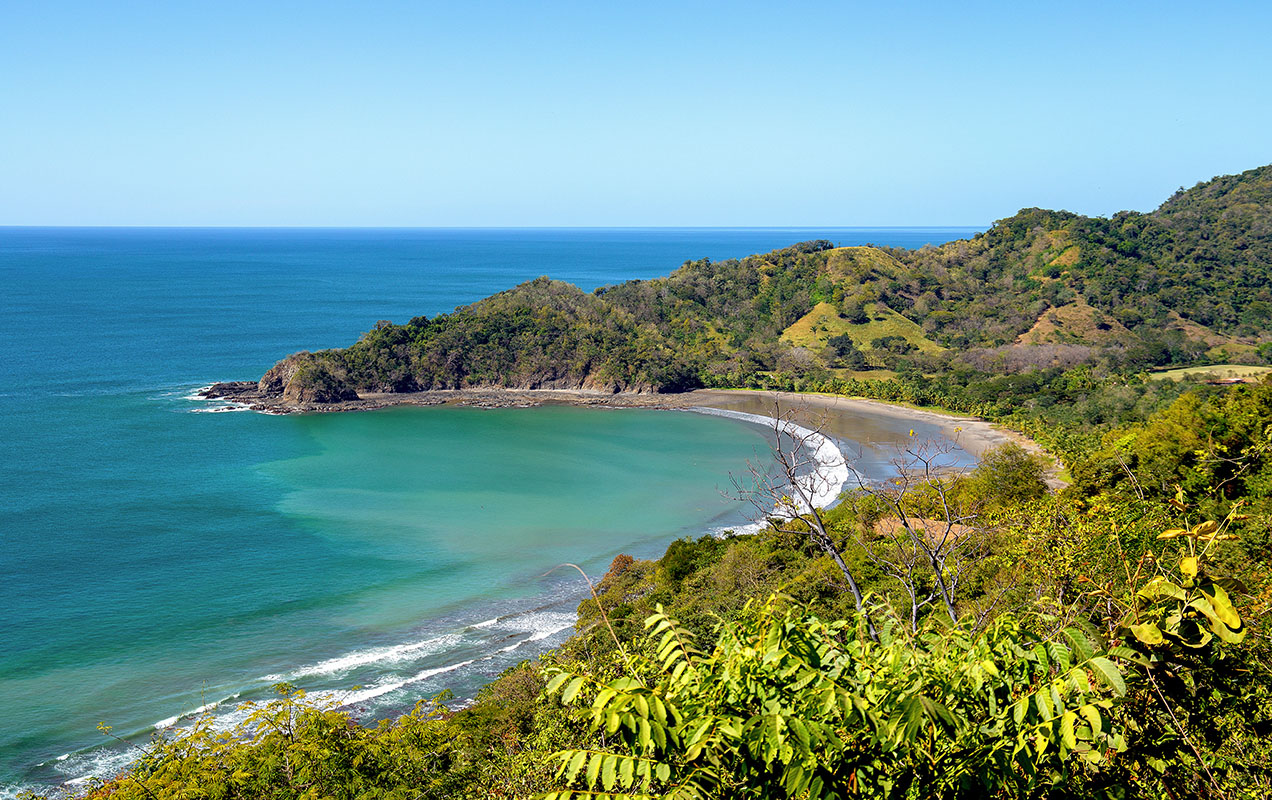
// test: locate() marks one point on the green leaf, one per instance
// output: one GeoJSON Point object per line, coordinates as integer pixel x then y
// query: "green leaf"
{"type": "Point", "coordinates": [571, 691]}
{"type": "Point", "coordinates": [1019, 710]}
{"type": "Point", "coordinates": [555, 683]}
{"type": "Point", "coordinates": [576, 764]}
{"type": "Point", "coordinates": [1148, 633]}
{"type": "Point", "coordinates": [801, 733]}
{"type": "Point", "coordinates": [1079, 681]}
{"type": "Point", "coordinates": [1043, 702]}
{"type": "Point", "coordinates": [602, 698]}
{"type": "Point", "coordinates": [793, 781]}
{"type": "Point", "coordinates": [1079, 643]}
{"type": "Point", "coordinates": [626, 771]}
{"type": "Point", "coordinates": [1066, 730]}
{"type": "Point", "coordinates": [1110, 673]}
{"type": "Point", "coordinates": [1092, 715]}
{"type": "Point", "coordinates": [911, 717]}
{"type": "Point", "coordinates": [609, 773]}
{"type": "Point", "coordinates": [594, 768]}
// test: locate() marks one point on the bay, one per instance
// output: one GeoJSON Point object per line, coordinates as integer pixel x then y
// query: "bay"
{"type": "Point", "coordinates": [158, 559]}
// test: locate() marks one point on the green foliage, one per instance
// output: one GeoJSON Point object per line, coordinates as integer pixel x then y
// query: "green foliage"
{"type": "Point", "coordinates": [786, 706]}
{"type": "Point", "coordinates": [291, 748]}
{"type": "Point", "coordinates": [1008, 474]}
{"type": "Point", "coordinates": [791, 707]}
{"type": "Point", "coordinates": [288, 748]}
{"type": "Point", "coordinates": [1216, 447]}
{"type": "Point", "coordinates": [1145, 290]}
{"type": "Point", "coordinates": [686, 556]}
{"type": "Point", "coordinates": [893, 344]}
{"type": "Point", "coordinates": [846, 353]}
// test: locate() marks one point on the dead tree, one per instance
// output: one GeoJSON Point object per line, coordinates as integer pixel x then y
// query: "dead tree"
{"type": "Point", "coordinates": [791, 498]}
{"type": "Point", "coordinates": [927, 541]}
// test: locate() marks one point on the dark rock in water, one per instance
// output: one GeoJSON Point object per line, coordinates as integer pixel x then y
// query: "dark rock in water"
{"type": "Point", "coordinates": [229, 390]}
{"type": "Point", "coordinates": [318, 388]}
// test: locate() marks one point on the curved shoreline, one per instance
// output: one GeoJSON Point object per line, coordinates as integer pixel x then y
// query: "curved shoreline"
{"type": "Point", "coordinates": [973, 434]}
{"type": "Point", "coordinates": [816, 415]}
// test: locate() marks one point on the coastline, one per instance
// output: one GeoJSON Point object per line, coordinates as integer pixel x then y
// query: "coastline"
{"type": "Point", "coordinates": [836, 414]}
{"type": "Point", "coordinates": [839, 414]}
{"type": "Point", "coordinates": [814, 414]}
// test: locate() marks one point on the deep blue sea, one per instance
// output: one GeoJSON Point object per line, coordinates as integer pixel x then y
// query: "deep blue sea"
{"type": "Point", "coordinates": [158, 558]}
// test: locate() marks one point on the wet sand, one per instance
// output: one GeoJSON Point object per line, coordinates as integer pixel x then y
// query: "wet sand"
{"type": "Point", "coordinates": [852, 418]}
{"type": "Point", "coordinates": [859, 419]}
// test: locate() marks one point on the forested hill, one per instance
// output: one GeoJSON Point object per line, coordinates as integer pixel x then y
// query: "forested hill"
{"type": "Point", "coordinates": [1187, 283]}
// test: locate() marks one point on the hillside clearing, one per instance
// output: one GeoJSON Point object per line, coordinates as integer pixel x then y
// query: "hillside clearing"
{"type": "Point", "coordinates": [817, 327]}
{"type": "Point", "coordinates": [1216, 372]}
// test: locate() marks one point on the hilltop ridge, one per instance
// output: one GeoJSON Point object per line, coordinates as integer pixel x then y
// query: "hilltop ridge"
{"type": "Point", "coordinates": [1184, 284]}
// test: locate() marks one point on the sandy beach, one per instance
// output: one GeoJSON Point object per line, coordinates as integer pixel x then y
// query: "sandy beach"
{"type": "Point", "coordinates": [852, 418]}
{"type": "Point", "coordinates": [859, 418]}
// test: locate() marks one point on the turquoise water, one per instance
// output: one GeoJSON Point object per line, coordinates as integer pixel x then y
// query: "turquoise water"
{"type": "Point", "coordinates": [157, 559]}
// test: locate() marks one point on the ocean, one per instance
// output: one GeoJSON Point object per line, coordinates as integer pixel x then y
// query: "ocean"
{"type": "Point", "coordinates": [159, 559]}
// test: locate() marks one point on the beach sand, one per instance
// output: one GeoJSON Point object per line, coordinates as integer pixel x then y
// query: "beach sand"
{"type": "Point", "coordinates": [850, 418]}
{"type": "Point", "coordinates": [860, 419]}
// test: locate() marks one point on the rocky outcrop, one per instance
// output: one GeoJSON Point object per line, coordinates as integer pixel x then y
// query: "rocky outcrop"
{"type": "Point", "coordinates": [246, 391]}
{"type": "Point", "coordinates": [317, 385]}
{"type": "Point", "coordinates": [303, 378]}
{"type": "Point", "coordinates": [274, 381]}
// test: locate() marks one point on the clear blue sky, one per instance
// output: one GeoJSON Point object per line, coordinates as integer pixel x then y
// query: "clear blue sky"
{"type": "Point", "coordinates": [598, 113]}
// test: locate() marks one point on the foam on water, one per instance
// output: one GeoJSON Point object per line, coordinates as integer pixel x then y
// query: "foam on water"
{"type": "Point", "coordinates": [211, 405]}
{"type": "Point", "coordinates": [544, 624]}
{"type": "Point", "coordinates": [164, 724]}
{"type": "Point", "coordinates": [820, 487]}
{"type": "Point", "coordinates": [394, 654]}
{"type": "Point", "coordinates": [100, 762]}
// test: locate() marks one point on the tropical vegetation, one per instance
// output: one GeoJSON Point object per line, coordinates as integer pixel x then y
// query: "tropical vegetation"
{"type": "Point", "coordinates": [1189, 283]}
{"type": "Point", "coordinates": [942, 635]}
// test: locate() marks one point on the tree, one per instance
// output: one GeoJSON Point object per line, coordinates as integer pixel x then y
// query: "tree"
{"type": "Point", "coordinates": [1009, 474]}
{"type": "Point", "coordinates": [809, 473]}
{"type": "Point", "coordinates": [845, 352]}
{"type": "Point", "coordinates": [926, 538]}
{"type": "Point", "coordinates": [788, 706]}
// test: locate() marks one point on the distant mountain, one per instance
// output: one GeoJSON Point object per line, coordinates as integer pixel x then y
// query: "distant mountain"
{"type": "Point", "coordinates": [1188, 282]}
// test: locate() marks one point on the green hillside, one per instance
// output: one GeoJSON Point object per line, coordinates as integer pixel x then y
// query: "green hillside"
{"type": "Point", "coordinates": [815, 329]}
{"type": "Point", "coordinates": [944, 635]}
{"type": "Point", "coordinates": [1183, 285]}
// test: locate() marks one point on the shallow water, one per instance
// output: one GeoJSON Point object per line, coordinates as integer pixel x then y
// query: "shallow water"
{"type": "Point", "coordinates": [159, 560]}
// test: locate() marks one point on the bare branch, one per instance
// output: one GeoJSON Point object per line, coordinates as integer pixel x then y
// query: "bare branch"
{"type": "Point", "coordinates": [810, 472]}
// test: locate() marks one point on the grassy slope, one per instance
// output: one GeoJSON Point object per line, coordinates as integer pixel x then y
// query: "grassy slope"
{"type": "Point", "coordinates": [1215, 372]}
{"type": "Point", "coordinates": [1076, 322]}
{"type": "Point", "coordinates": [814, 329]}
